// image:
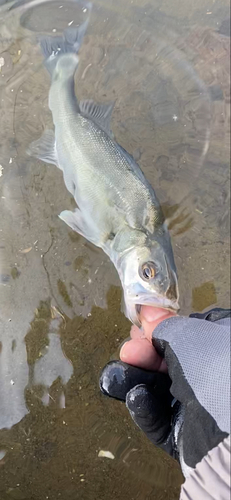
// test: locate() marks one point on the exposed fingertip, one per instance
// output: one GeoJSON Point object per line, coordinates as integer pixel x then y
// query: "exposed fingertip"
{"type": "Point", "coordinates": [141, 353]}
{"type": "Point", "coordinates": [123, 351]}
{"type": "Point", "coordinates": [151, 314]}
{"type": "Point", "coordinates": [151, 317]}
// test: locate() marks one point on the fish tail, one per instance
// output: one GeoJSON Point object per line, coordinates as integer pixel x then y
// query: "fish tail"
{"type": "Point", "coordinates": [68, 43]}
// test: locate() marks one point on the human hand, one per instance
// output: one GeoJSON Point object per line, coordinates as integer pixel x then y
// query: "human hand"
{"type": "Point", "coordinates": [178, 405]}
{"type": "Point", "coordinates": [140, 351]}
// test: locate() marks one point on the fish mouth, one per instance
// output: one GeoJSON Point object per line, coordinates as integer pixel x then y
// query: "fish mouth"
{"type": "Point", "coordinates": [133, 308]}
{"type": "Point", "coordinates": [157, 301]}
{"type": "Point", "coordinates": [171, 307]}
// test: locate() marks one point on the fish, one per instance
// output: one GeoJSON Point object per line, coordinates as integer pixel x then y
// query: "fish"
{"type": "Point", "coordinates": [117, 208]}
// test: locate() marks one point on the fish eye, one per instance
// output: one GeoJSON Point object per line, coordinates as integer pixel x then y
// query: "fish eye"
{"type": "Point", "coordinates": [147, 271]}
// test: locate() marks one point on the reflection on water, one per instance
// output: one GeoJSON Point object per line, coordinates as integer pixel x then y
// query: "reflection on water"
{"type": "Point", "coordinates": [14, 378]}
{"type": "Point", "coordinates": [57, 445]}
{"type": "Point", "coordinates": [166, 65]}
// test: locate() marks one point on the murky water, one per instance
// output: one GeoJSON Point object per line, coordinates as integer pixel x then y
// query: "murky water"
{"type": "Point", "coordinates": [166, 64]}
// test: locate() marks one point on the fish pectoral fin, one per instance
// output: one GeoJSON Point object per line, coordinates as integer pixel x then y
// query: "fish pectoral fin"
{"type": "Point", "coordinates": [76, 221]}
{"type": "Point", "coordinates": [44, 148]}
{"type": "Point", "coordinates": [100, 114]}
{"type": "Point", "coordinates": [73, 219]}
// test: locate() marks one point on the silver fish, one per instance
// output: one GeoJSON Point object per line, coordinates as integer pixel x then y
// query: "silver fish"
{"type": "Point", "coordinates": [117, 207]}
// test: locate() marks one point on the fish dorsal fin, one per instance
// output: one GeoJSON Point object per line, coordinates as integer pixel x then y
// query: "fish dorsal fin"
{"type": "Point", "coordinates": [100, 114]}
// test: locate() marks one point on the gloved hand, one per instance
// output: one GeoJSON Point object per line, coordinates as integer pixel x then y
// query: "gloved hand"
{"type": "Point", "coordinates": [186, 410]}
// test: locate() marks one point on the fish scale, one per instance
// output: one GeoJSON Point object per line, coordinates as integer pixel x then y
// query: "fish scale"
{"type": "Point", "coordinates": [101, 157]}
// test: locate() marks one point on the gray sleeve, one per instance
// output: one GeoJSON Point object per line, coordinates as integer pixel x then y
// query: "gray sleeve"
{"type": "Point", "coordinates": [203, 352]}
{"type": "Point", "coordinates": [210, 480]}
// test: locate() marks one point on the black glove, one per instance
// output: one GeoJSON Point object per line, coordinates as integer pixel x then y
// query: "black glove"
{"type": "Point", "coordinates": [186, 412]}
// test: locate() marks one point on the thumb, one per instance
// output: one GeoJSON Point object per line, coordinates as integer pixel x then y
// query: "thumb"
{"type": "Point", "coordinates": [151, 317]}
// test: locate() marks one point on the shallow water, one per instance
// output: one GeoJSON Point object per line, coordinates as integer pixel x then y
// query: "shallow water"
{"type": "Point", "coordinates": [166, 65]}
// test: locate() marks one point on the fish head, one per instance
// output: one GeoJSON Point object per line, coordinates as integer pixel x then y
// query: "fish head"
{"type": "Point", "coordinates": [149, 277]}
